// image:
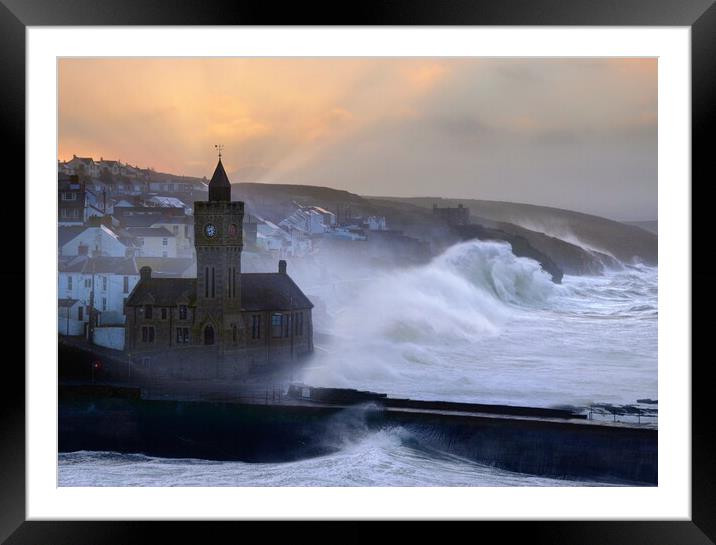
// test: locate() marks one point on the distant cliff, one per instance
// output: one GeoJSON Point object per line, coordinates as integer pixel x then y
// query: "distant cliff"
{"type": "Point", "coordinates": [604, 237]}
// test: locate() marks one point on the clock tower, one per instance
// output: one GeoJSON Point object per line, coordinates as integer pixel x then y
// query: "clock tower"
{"type": "Point", "coordinates": [218, 239]}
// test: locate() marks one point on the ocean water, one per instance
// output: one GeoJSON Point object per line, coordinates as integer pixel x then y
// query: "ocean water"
{"type": "Point", "coordinates": [379, 459]}
{"type": "Point", "coordinates": [478, 324]}
{"type": "Point", "coordinates": [475, 324]}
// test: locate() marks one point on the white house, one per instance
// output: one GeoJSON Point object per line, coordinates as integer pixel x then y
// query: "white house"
{"type": "Point", "coordinates": [101, 282]}
{"type": "Point", "coordinates": [70, 317]}
{"type": "Point", "coordinates": [82, 165]}
{"type": "Point", "coordinates": [269, 236]}
{"type": "Point", "coordinates": [329, 218]}
{"type": "Point", "coordinates": [182, 227]}
{"type": "Point", "coordinates": [153, 241]}
{"type": "Point", "coordinates": [306, 219]}
{"type": "Point", "coordinates": [91, 241]}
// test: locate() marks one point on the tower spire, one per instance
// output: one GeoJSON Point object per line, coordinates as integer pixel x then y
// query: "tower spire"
{"type": "Point", "coordinates": [219, 186]}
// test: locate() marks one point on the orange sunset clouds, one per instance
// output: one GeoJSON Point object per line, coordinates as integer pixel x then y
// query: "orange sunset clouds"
{"type": "Point", "coordinates": [529, 130]}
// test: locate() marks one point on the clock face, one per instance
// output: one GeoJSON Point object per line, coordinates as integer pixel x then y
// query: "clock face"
{"type": "Point", "coordinates": [209, 230]}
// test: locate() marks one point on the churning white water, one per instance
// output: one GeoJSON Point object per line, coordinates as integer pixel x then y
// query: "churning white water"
{"type": "Point", "coordinates": [379, 459]}
{"type": "Point", "coordinates": [479, 324]}
{"type": "Point", "coordinates": [475, 324]}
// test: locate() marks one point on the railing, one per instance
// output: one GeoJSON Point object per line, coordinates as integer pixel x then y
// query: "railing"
{"type": "Point", "coordinates": [623, 413]}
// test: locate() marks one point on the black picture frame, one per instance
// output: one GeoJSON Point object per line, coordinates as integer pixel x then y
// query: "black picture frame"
{"type": "Point", "coordinates": [16, 15]}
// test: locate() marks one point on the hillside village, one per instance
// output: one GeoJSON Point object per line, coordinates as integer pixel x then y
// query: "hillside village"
{"type": "Point", "coordinates": [115, 218]}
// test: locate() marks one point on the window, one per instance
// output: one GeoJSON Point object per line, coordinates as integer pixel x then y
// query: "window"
{"type": "Point", "coordinates": [88, 283]}
{"type": "Point", "coordinates": [69, 196]}
{"type": "Point", "coordinates": [148, 312]}
{"type": "Point", "coordinates": [234, 332]}
{"type": "Point", "coordinates": [276, 325]}
{"type": "Point", "coordinates": [182, 312]}
{"type": "Point", "coordinates": [286, 325]}
{"type": "Point", "coordinates": [231, 277]}
{"type": "Point", "coordinates": [80, 313]}
{"type": "Point", "coordinates": [104, 303]}
{"type": "Point", "coordinates": [175, 230]}
{"type": "Point", "coordinates": [104, 283]}
{"type": "Point", "coordinates": [182, 335]}
{"type": "Point", "coordinates": [164, 314]}
{"type": "Point", "coordinates": [208, 335]}
{"type": "Point", "coordinates": [256, 326]}
{"type": "Point", "coordinates": [69, 282]}
{"type": "Point", "coordinates": [125, 287]}
{"type": "Point", "coordinates": [165, 242]}
{"type": "Point", "coordinates": [147, 334]}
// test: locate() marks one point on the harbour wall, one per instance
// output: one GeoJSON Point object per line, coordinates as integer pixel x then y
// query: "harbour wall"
{"type": "Point", "coordinates": [585, 450]}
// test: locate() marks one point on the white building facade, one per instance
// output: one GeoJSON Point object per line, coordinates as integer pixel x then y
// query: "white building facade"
{"type": "Point", "coordinates": [102, 283]}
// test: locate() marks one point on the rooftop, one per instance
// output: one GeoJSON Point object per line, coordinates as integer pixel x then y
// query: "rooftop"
{"type": "Point", "coordinates": [259, 292]}
{"type": "Point", "coordinates": [149, 231]}
{"type": "Point", "coordinates": [125, 266]}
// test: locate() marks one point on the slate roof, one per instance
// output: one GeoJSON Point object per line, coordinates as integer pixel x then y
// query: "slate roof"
{"type": "Point", "coordinates": [149, 232]}
{"type": "Point", "coordinates": [259, 291]}
{"type": "Point", "coordinates": [140, 220]}
{"type": "Point", "coordinates": [219, 186]}
{"type": "Point", "coordinates": [124, 266]}
{"type": "Point", "coordinates": [163, 291]}
{"type": "Point", "coordinates": [167, 202]}
{"type": "Point", "coordinates": [66, 234]}
{"type": "Point", "coordinates": [271, 291]}
{"type": "Point", "coordinates": [219, 179]}
{"type": "Point", "coordinates": [187, 220]}
{"type": "Point", "coordinates": [166, 266]}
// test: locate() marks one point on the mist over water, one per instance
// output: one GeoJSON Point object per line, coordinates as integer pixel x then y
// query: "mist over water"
{"type": "Point", "coordinates": [475, 324]}
{"type": "Point", "coordinates": [479, 324]}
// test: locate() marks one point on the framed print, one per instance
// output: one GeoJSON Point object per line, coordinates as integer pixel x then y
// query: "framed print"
{"type": "Point", "coordinates": [437, 269]}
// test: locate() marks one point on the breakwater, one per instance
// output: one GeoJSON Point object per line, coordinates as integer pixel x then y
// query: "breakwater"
{"type": "Point", "coordinates": [106, 418]}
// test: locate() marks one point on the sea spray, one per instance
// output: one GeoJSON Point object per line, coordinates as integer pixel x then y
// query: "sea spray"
{"type": "Point", "coordinates": [479, 324]}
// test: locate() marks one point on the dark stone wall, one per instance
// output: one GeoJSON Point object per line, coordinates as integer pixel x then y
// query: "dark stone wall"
{"type": "Point", "coordinates": [275, 432]}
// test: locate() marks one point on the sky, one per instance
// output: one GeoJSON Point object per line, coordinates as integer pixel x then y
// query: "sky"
{"type": "Point", "coordinates": [579, 134]}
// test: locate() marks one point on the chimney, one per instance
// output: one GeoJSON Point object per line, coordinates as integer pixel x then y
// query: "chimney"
{"type": "Point", "coordinates": [145, 273]}
{"type": "Point", "coordinates": [282, 266]}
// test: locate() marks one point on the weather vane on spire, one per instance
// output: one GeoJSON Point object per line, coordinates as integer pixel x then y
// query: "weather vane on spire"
{"type": "Point", "coordinates": [219, 148]}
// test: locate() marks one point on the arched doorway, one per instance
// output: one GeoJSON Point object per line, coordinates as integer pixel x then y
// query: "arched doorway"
{"type": "Point", "coordinates": [208, 335]}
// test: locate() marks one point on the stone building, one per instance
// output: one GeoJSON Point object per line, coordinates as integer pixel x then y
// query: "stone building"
{"type": "Point", "coordinates": [458, 215]}
{"type": "Point", "coordinates": [71, 199]}
{"type": "Point", "coordinates": [223, 322]}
